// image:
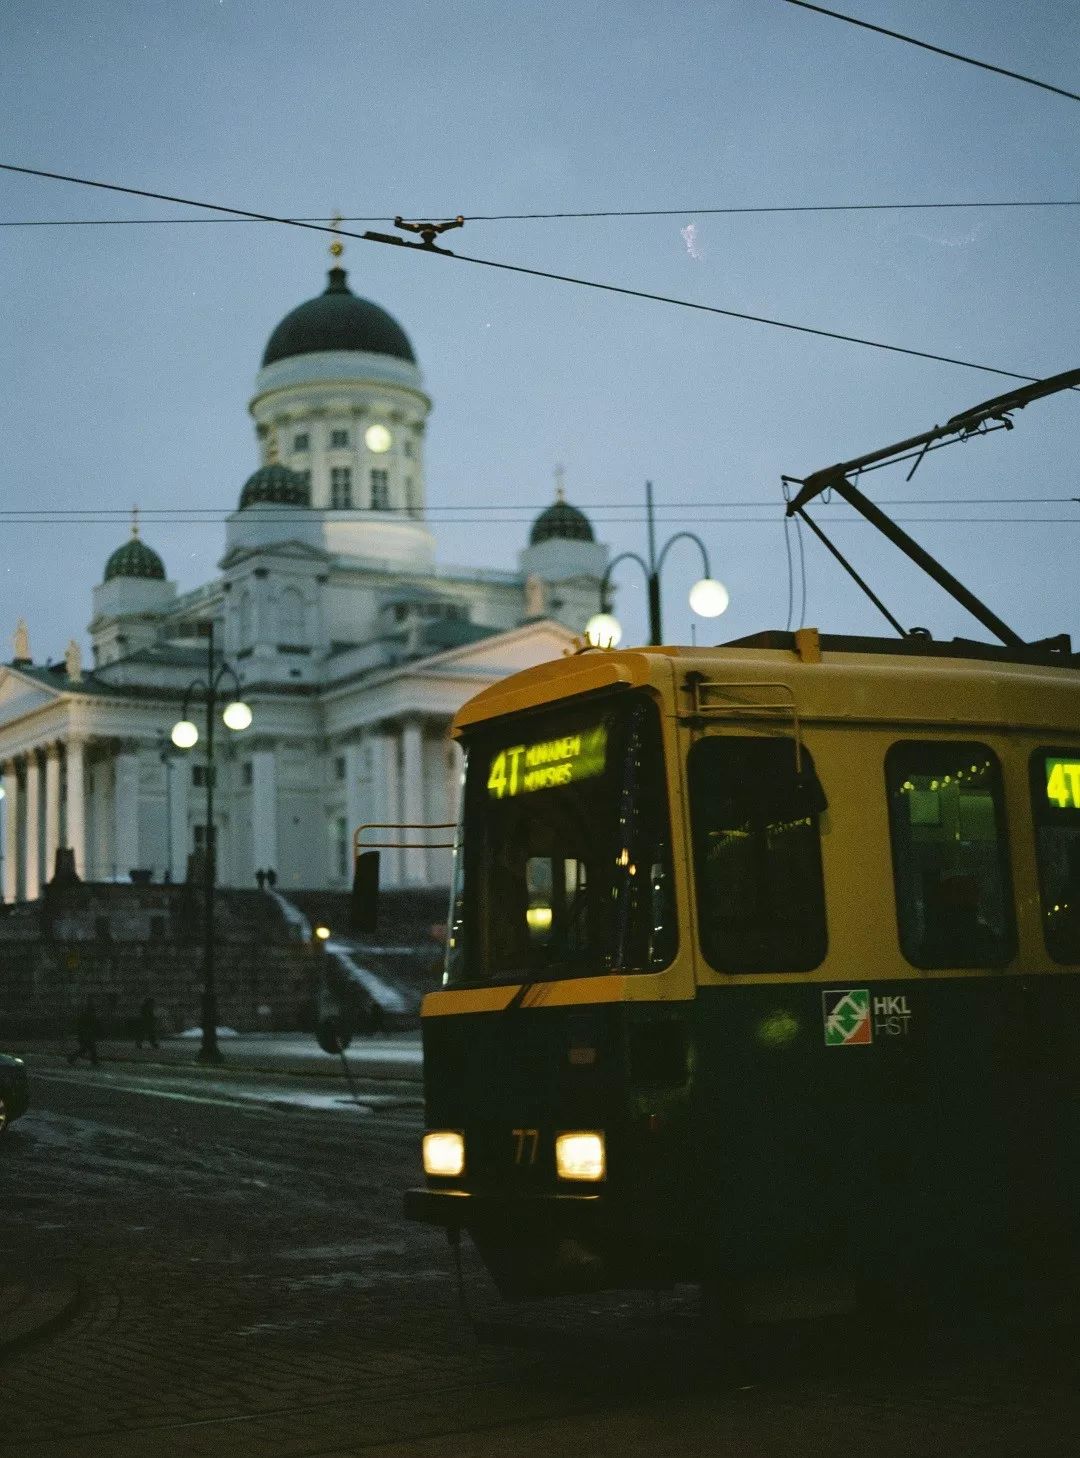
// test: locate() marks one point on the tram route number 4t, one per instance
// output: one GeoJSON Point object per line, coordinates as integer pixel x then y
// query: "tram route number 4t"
{"type": "Point", "coordinates": [852, 1017]}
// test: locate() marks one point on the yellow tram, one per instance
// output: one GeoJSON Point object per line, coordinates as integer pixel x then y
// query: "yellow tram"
{"type": "Point", "coordinates": [763, 959]}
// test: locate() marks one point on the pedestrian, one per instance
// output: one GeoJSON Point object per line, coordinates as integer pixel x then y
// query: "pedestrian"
{"type": "Point", "coordinates": [87, 1030]}
{"type": "Point", "coordinates": [260, 877]}
{"type": "Point", "coordinates": [271, 878]}
{"type": "Point", "coordinates": [146, 1030]}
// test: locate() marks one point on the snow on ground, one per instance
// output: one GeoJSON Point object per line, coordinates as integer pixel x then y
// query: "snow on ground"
{"type": "Point", "coordinates": [387, 996]}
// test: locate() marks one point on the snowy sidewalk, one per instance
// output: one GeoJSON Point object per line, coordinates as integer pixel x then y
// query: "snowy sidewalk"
{"type": "Point", "coordinates": [396, 1056]}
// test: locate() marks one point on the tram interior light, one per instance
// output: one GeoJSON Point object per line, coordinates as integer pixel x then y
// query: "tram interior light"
{"type": "Point", "coordinates": [538, 918]}
{"type": "Point", "coordinates": [709, 598]}
{"type": "Point", "coordinates": [603, 630]}
{"type": "Point", "coordinates": [184, 734]}
{"type": "Point", "coordinates": [444, 1152]}
{"type": "Point", "coordinates": [580, 1156]}
{"type": "Point", "coordinates": [237, 715]}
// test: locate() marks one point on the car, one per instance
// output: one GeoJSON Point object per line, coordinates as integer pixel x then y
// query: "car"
{"type": "Point", "coordinates": [13, 1093]}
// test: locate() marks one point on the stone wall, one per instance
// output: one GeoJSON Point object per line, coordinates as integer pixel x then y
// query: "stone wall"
{"type": "Point", "coordinates": [120, 944]}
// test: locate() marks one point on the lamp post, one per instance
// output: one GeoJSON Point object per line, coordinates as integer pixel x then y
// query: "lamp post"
{"type": "Point", "coordinates": [185, 735]}
{"type": "Point", "coordinates": [708, 598]}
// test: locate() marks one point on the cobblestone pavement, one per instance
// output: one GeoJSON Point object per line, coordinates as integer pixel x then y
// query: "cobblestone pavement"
{"type": "Point", "coordinates": [248, 1287]}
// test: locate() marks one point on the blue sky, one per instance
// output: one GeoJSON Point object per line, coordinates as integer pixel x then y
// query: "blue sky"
{"type": "Point", "coordinates": [130, 353]}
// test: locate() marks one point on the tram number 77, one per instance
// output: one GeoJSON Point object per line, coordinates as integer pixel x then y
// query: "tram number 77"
{"type": "Point", "coordinates": [526, 1143]}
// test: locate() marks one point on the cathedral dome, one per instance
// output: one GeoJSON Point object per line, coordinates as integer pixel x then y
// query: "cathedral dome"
{"type": "Point", "coordinates": [134, 559]}
{"type": "Point", "coordinates": [337, 319]}
{"type": "Point", "coordinates": [561, 522]}
{"type": "Point", "coordinates": [276, 485]}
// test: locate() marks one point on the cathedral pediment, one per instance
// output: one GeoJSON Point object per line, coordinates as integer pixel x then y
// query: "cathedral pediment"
{"type": "Point", "coordinates": [290, 550]}
{"type": "Point", "coordinates": [20, 694]}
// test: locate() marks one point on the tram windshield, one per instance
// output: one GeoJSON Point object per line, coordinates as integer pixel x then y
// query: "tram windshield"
{"type": "Point", "coordinates": [565, 868]}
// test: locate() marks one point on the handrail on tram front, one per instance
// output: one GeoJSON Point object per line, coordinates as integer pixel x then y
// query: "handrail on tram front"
{"type": "Point", "coordinates": [404, 844]}
{"type": "Point", "coordinates": [743, 708]}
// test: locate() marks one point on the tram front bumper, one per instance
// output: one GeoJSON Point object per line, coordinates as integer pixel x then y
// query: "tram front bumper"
{"type": "Point", "coordinates": [469, 1210]}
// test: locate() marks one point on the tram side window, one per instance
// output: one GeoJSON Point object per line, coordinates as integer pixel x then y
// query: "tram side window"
{"type": "Point", "coordinates": [1055, 790]}
{"type": "Point", "coordinates": [757, 854]}
{"type": "Point", "coordinates": [950, 854]}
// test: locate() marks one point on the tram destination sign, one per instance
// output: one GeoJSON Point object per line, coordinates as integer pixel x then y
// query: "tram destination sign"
{"type": "Point", "coordinates": [1062, 782]}
{"type": "Point", "coordinates": [548, 764]}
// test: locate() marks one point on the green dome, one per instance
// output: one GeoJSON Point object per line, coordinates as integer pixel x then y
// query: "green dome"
{"type": "Point", "coordinates": [337, 319]}
{"type": "Point", "coordinates": [274, 484]}
{"type": "Point", "coordinates": [561, 521]}
{"type": "Point", "coordinates": [134, 559]}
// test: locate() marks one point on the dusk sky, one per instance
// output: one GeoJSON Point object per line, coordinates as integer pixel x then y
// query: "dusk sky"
{"type": "Point", "coordinates": [129, 353]}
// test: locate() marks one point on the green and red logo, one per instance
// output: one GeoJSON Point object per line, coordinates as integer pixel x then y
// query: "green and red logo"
{"type": "Point", "coordinates": [847, 1017]}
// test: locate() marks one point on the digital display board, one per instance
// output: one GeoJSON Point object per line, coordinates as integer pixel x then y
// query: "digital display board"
{"type": "Point", "coordinates": [548, 764]}
{"type": "Point", "coordinates": [1062, 782]}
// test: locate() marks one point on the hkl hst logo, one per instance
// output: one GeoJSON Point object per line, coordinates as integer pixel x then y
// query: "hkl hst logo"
{"type": "Point", "coordinates": [847, 1017]}
{"type": "Point", "coordinates": [852, 1017]}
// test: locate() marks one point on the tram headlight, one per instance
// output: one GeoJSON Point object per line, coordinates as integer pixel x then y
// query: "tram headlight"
{"type": "Point", "coordinates": [444, 1152]}
{"type": "Point", "coordinates": [580, 1155]}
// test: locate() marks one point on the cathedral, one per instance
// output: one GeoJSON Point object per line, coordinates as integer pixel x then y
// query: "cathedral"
{"type": "Point", "coordinates": [331, 619]}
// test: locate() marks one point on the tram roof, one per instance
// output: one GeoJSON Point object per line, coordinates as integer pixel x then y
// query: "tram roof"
{"type": "Point", "coordinates": [912, 681]}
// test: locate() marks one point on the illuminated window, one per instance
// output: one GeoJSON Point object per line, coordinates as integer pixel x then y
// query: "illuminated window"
{"type": "Point", "coordinates": [757, 854]}
{"type": "Point", "coordinates": [1055, 791]}
{"type": "Point", "coordinates": [950, 854]}
{"type": "Point", "coordinates": [301, 442]}
{"type": "Point", "coordinates": [380, 490]}
{"type": "Point", "coordinates": [568, 847]}
{"type": "Point", "coordinates": [340, 488]}
{"type": "Point", "coordinates": [338, 439]}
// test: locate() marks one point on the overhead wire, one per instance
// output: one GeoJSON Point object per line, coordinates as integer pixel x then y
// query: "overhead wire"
{"type": "Point", "coordinates": [938, 50]}
{"type": "Point", "coordinates": [530, 272]}
{"type": "Point", "coordinates": [691, 212]}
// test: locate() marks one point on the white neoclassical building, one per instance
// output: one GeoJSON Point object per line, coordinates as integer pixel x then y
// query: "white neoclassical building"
{"type": "Point", "coordinates": [351, 644]}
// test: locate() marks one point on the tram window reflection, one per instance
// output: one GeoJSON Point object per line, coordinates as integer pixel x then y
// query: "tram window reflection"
{"type": "Point", "coordinates": [1055, 788]}
{"type": "Point", "coordinates": [950, 854]}
{"type": "Point", "coordinates": [757, 854]}
{"type": "Point", "coordinates": [566, 869]}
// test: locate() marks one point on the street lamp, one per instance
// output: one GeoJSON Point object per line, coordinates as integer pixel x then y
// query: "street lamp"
{"type": "Point", "coordinates": [708, 598]}
{"type": "Point", "coordinates": [185, 735]}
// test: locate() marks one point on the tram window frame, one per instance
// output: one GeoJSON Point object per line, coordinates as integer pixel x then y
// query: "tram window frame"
{"type": "Point", "coordinates": [800, 946]}
{"type": "Point", "coordinates": [603, 915]}
{"type": "Point", "coordinates": [959, 916]}
{"type": "Point", "coordinates": [1061, 938]}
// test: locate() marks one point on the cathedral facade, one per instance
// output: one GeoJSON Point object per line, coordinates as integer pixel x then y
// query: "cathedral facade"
{"type": "Point", "coordinates": [330, 617]}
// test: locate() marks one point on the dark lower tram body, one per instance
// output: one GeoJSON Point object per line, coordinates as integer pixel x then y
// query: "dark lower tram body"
{"type": "Point", "coordinates": [936, 1126]}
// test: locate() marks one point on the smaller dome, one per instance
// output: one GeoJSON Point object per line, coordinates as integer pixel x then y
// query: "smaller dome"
{"type": "Point", "coordinates": [134, 559]}
{"type": "Point", "coordinates": [561, 522]}
{"type": "Point", "coordinates": [276, 484]}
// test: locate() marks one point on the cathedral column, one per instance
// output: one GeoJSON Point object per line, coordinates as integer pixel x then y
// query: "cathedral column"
{"type": "Point", "coordinates": [52, 809]}
{"type": "Point", "coordinates": [264, 809]}
{"type": "Point", "coordinates": [11, 833]}
{"type": "Point", "coordinates": [385, 782]}
{"type": "Point", "coordinates": [32, 839]}
{"type": "Point", "coordinates": [126, 810]}
{"type": "Point", "coordinates": [354, 796]}
{"type": "Point", "coordinates": [412, 801]}
{"type": "Point", "coordinates": [76, 803]}
{"type": "Point", "coordinates": [180, 783]}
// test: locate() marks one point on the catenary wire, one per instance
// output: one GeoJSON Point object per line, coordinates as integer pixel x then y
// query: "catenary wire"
{"type": "Point", "coordinates": [938, 50]}
{"type": "Point", "coordinates": [524, 270]}
{"type": "Point", "coordinates": [901, 207]}
{"type": "Point", "coordinates": [483, 509]}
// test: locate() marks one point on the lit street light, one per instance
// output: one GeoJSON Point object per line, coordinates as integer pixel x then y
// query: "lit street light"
{"type": "Point", "coordinates": [708, 598]}
{"type": "Point", "coordinates": [185, 735]}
